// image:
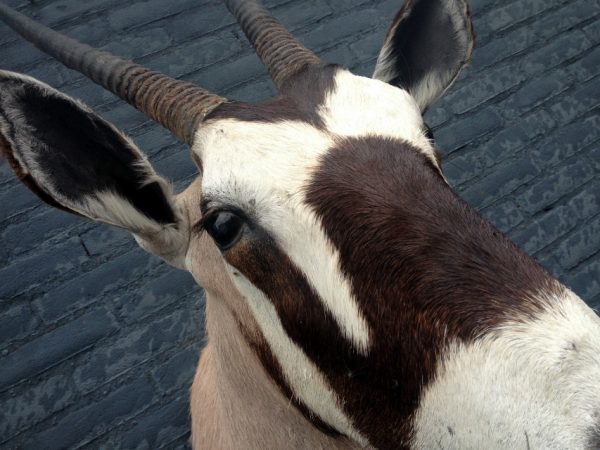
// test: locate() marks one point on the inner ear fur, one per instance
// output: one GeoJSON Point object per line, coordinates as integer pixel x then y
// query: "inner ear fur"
{"type": "Point", "coordinates": [427, 45]}
{"type": "Point", "coordinates": [75, 160]}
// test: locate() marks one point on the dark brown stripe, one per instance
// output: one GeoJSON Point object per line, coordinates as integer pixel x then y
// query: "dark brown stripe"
{"type": "Point", "coordinates": [301, 312]}
{"type": "Point", "coordinates": [425, 268]}
{"type": "Point", "coordinates": [273, 368]}
{"type": "Point", "coordinates": [368, 387]}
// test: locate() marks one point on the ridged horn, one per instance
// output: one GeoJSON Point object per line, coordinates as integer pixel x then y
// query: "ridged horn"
{"type": "Point", "coordinates": [177, 105]}
{"type": "Point", "coordinates": [280, 52]}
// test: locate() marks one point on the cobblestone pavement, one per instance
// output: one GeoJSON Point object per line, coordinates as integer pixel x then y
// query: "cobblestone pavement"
{"type": "Point", "coordinates": [98, 341]}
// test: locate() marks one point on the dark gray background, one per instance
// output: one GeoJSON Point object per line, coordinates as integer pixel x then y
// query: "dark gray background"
{"type": "Point", "coordinates": [99, 341]}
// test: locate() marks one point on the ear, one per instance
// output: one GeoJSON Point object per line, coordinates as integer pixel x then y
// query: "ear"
{"type": "Point", "coordinates": [427, 45]}
{"type": "Point", "coordinates": [76, 161]}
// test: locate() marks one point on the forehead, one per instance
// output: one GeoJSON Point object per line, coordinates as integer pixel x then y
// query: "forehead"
{"type": "Point", "coordinates": [262, 160]}
{"type": "Point", "coordinates": [266, 153]}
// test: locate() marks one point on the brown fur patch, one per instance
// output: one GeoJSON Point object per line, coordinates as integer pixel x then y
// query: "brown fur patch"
{"type": "Point", "coordinates": [425, 268]}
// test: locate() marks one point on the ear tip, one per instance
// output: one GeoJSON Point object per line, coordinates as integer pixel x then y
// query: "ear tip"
{"type": "Point", "coordinates": [408, 6]}
{"type": "Point", "coordinates": [466, 28]}
{"type": "Point", "coordinates": [7, 76]}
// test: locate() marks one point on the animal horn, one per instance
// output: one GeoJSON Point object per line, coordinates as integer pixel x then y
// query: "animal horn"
{"type": "Point", "coordinates": [177, 105]}
{"type": "Point", "coordinates": [279, 51]}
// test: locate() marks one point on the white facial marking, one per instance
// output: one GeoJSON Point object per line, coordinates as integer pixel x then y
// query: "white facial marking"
{"type": "Point", "coordinates": [263, 169]}
{"type": "Point", "coordinates": [528, 385]}
{"type": "Point", "coordinates": [360, 107]}
{"type": "Point", "coordinates": [303, 377]}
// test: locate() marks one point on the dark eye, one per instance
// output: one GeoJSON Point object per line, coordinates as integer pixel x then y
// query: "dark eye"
{"type": "Point", "coordinates": [429, 133]}
{"type": "Point", "coordinates": [225, 227]}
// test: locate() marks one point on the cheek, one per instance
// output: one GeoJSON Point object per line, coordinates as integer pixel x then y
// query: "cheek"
{"type": "Point", "coordinates": [205, 262]}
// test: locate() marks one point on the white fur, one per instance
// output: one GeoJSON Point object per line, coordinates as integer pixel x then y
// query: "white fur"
{"type": "Point", "coordinates": [360, 107]}
{"type": "Point", "coordinates": [168, 241]}
{"type": "Point", "coordinates": [111, 208]}
{"type": "Point", "coordinates": [304, 378]}
{"type": "Point", "coordinates": [263, 169]}
{"type": "Point", "coordinates": [528, 385]}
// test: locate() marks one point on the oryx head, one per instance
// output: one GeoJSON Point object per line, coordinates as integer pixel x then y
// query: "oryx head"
{"type": "Point", "coordinates": [307, 196]}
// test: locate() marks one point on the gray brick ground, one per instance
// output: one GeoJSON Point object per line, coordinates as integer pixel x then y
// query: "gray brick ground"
{"type": "Point", "coordinates": [98, 342]}
{"type": "Point", "coordinates": [157, 428]}
{"type": "Point", "coordinates": [57, 345]}
{"type": "Point", "coordinates": [34, 403]}
{"type": "Point", "coordinates": [75, 294]}
{"type": "Point", "coordinates": [39, 267]}
{"type": "Point", "coordinates": [143, 342]}
{"type": "Point", "coordinates": [85, 424]}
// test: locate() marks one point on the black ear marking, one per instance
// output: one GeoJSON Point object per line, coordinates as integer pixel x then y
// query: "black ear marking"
{"type": "Point", "coordinates": [428, 43]}
{"type": "Point", "coordinates": [68, 155]}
